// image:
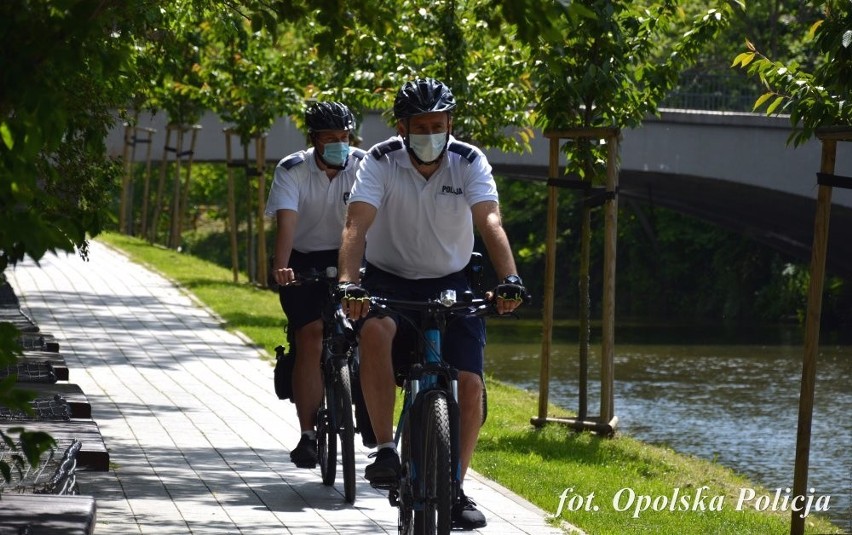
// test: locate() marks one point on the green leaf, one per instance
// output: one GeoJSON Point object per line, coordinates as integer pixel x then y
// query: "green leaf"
{"type": "Point", "coordinates": [6, 135]}
{"type": "Point", "coordinates": [761, 100]}
{"type": "Point", "coordinates": [743, 59]}
{"type": "Point", "coordinates": [34, 443]}
{"type": "Point", "coordinates": [814, 27]}
{"type": "Point", "coordinates": [775, 103]}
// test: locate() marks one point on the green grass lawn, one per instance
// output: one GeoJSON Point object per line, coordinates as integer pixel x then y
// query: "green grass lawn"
{"type": "Point", "coordinates": [600, 484]}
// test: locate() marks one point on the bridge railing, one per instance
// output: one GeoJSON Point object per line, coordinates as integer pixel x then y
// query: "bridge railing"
{"type": "Point", "coordinates": [727, 91]}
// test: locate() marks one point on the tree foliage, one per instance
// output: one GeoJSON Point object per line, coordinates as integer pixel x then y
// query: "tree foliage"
{"type": "Point", "coordinates": [376, 52]}
{"type": "Point", "coordinates": [58, 85]}
{"type": "Point", "coordinates": [245, 77]}
{"type": "Point", "coordinates": [599, 63]}
{"type": "Point", "coordinates": [67, 65]}
{"type": "Point", "coordinates": [816, 96]}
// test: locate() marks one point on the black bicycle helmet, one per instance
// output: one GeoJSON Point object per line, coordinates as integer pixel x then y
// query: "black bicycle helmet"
{"type": "Point", "coordinates": [423, 95]}
{"type": "Point", "coordinates": [328, 116]}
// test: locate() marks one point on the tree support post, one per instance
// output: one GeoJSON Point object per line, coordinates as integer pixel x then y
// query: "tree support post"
{"type": "Point", "coordinates": [826, 180]}
{"type": "Point", "coordinates": [180, 199]}
{"type": "Point", "coordinates": [549, 280]}
{"type": "Point", "coordinates": [256, 263]}
{"type": "Point", "coordinates": [260, 170]}
{"type": "Point", "coordinates": [123, 205]}
{"type": "Point", "coordinates": [131, 139]}
{"type": "Point", "coordinates": [161, 186]}
{"type": "Point", "coordinates": [232, 206]}
{"type": "Point", "coordinates": [606, 422]}
{"type": "Point", "coordinates": [177, 204]}
{"type": "Point", "coordinates": [146, 185]}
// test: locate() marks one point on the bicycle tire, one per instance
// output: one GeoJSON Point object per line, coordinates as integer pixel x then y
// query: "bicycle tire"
{"type": "Point", "coordinates": [346, 431]}
{"type": "Point", "coordinates": [327, 432]}
{"type": "Point", "coordinates": [435, 468]}
{"type": "Point", "coordinates": [405, 522]}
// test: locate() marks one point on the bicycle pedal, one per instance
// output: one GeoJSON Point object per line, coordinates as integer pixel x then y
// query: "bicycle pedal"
{"type": "Point", "coordinates": [388, 484]}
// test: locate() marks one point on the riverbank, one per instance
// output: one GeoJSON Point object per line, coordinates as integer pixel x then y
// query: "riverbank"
{"type": "Point", "coordinates": [600, 485]}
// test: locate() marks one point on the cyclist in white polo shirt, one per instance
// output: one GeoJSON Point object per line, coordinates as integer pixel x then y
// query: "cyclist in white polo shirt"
{"type": "Point", "coordinates": [308, 200]}
{"type": "Point", "coordinates": [412, 213]}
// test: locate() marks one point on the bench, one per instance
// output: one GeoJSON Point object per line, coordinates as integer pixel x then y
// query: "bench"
{"type": "Point", "coordinates": [93, 455]}
{"type": "Point", "coordinates": [77, 400]}
{"type": "Point", "coordinates": [46, 514]}
{"type": "Point", "coordinates": [30, 373]}
{"type": "Point", "coordinates": [56, 360]}
{"type": "Point", "coordinates": [36, 502]}
{"type": "Point", "coordinates": [17, 318]}
{"type": "Point", "coordinates": [38, 341]}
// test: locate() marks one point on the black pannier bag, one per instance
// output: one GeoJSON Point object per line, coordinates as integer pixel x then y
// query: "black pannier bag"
{"type": "Point", "coordinates": [283, 374]}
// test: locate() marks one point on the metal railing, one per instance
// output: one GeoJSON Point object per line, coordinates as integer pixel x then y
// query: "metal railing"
{"type": "Point", "coordinates": [714, 92]}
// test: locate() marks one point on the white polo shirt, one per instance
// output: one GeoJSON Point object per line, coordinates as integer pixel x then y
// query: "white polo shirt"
{"type": "Point", "coordinates": [300, 185]}
{"type": "Point", "coordinates": [423, 228]}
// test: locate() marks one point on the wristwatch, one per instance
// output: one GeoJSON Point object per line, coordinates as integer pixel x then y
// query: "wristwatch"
{"type": "Point", "coordinates": [513, 279]}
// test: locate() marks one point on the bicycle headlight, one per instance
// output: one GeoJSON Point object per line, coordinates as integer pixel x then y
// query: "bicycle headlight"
{"type": "Point", "coordinates": [447, 298]}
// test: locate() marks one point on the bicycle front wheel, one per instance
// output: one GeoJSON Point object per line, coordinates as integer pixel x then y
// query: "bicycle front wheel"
{"type": "Point", "coordinates": [346, 431]}
{"type": "Point", "coordinates": [405, 494]}
{"type": "Point", "coordinates": [436, 468]}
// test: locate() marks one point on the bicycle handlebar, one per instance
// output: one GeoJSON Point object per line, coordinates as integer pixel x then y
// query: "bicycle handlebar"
{"type": "Point", "coordinates": [327, 275]}
{"type": "Point", "coordinates": [446, 304]}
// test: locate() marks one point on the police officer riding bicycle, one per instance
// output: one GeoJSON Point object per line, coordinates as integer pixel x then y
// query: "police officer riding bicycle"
{"type": "Point", "coordinates": [412, 212]}
{"type": "Point", "coordinates": [308, 199]}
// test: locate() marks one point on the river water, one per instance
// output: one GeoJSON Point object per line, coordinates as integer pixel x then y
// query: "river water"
{"type": "Point", "coordinates": [729, 395]}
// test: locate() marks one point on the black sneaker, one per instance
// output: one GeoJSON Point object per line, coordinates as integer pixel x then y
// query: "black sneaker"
{"type": "Point", "coordinates": [385, 469]}
{"type": "Point", "coordinates": [305, 454]}
{"type": "Point", "coordinates": [465, 515]}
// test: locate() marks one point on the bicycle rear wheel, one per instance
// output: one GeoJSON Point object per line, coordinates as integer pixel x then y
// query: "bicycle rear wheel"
{"type": "Point", "coordinates": [327, 432]}
{"type": "Point", "coordinates": [346, 431]}
{"type": "Point", "coordinates": [435, 468]}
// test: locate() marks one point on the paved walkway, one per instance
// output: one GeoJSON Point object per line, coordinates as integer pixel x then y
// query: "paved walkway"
{"type": "Point", "coordinates": [198, 440]}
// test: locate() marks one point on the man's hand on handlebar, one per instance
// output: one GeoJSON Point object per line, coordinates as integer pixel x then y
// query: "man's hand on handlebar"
{"type": "Point", "coordinates": [509, 294]}
{"type": "Point", "coordinates": [283, 276]}
{"type": "Point", "coordinates": [354, 299]}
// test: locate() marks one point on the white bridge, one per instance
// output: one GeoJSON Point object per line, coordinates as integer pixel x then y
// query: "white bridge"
{"type": "Point", "coordinates": [733, 169]}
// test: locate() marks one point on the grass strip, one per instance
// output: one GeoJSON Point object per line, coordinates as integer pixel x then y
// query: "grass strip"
{"type": "Point", "coordinates": [599, 485]}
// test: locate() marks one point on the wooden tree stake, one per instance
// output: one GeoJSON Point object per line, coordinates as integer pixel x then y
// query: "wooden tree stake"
{"type": "Point", "coordinates": [604, 424]}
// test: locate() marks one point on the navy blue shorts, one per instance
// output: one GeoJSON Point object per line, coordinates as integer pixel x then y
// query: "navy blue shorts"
{"type": "Point", "coordinates": [304, 303]}
{"type": "Point", "coordinates": [464, 340]}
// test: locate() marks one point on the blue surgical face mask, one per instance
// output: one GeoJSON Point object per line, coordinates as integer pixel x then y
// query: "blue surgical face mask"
{"type": "Point", "coordinates": [428, 147]}
{"type": "Point", "coordinates": [335, 153]}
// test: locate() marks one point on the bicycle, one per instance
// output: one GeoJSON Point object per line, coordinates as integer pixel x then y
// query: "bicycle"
{"type": "Point", "coordinates": [427, 432]}
{"type": "Point", "coordinates": [339, 358]}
